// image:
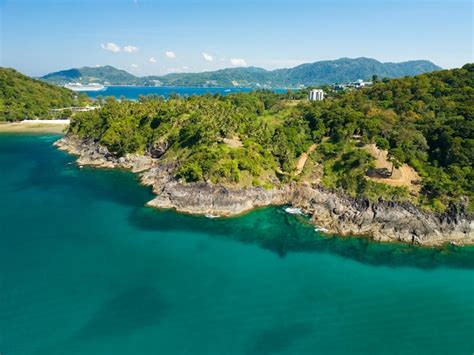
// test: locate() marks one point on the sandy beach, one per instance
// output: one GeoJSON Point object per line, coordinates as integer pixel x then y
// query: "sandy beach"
{"type": "Point", "coordinates": [35, 126]}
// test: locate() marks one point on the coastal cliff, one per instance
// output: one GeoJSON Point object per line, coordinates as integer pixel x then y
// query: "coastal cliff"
{"type": "Point", "coordinates": [333, 211]}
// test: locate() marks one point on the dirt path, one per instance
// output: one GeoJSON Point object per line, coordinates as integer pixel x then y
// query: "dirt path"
{"type": "Point", "coordinates": [233, 142]}
{"type": "Point", "coordinates": [403, 176]}
{"type": "Point", "coordinates": [302, 160]}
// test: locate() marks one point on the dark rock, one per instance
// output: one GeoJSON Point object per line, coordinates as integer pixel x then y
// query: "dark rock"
{"type": "Point", "coordinates": [158, 149]}
{"type": "Point", "coordinates": [381, 173]}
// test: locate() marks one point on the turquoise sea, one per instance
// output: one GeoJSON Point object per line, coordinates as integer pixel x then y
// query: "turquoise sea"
{"type": "Point", "coordinates": [85, 268]}
{"type": "Point", "coordinates": [133, 92]}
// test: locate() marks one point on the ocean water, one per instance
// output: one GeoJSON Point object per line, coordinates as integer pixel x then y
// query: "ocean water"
{"type": "Point", "coordinates": [85, 268]}
{"type": "Point", "coordinates": [133, 92]}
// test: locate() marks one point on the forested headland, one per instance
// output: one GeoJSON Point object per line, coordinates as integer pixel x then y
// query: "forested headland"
{"type": "Point", "coordinates": [257, 139]}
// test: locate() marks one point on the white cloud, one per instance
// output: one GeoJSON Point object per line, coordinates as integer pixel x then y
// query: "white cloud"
{"type": "Point", "coordinates": [207, 57]}
{"type": "Point", "coordinates": [134, 66]}
{"type": "Point", "coordinates": [185, 67]}
{"type": "Point", "coordinates": [130, 49]}
{"type": "Point", "coordinates": [152, 60]}
{"type": "Point", "coordinates": [111, 47]}
{"type": "Point", "coordinates": [238, 62]}
{"type": "Point", "coordinates": [170, 54]}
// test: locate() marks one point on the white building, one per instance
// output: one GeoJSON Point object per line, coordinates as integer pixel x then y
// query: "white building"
{"type": "Point", "coordinates": [359, 84]}
{"type": "Point", "coordinates": [316, 95]}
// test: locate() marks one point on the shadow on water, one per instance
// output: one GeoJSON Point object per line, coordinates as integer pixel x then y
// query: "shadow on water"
{"type": "Point", "coordinates": [274, 230]}
{"type": "Point", "coordinates": [126, 313]}
{"type": "Point", "coordinates": [279, 339]}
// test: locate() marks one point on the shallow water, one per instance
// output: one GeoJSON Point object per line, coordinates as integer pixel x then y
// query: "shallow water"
{"type": "Point", "coordinates": [85, 268]}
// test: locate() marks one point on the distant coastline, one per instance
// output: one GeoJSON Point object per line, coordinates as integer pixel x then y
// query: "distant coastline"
{"type": "Point", "coordinates": [325, 72]}
{"type": "Point", "coordinates": [199, 87]}
{"type": "Point", "coordinates": [133, 92]}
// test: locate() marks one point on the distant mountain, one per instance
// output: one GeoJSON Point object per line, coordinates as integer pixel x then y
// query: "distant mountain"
{"type": "Point", "coordinates": [346, 69]}
{"type": "Point", "coordinates": [317, 73]}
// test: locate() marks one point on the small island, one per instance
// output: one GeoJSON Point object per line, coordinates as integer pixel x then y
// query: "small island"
{"type": "Point", "coordinates": [392, 162]}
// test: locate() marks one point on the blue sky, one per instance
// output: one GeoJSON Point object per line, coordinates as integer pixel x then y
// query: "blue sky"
{"type": "Point", "coordinates": [162, 36]}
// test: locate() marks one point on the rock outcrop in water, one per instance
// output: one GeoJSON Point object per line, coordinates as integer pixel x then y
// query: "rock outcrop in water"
{"type": "Point", "coordinates": [339, 214]}
{"type": "Point", "coordinates": [91, 154]}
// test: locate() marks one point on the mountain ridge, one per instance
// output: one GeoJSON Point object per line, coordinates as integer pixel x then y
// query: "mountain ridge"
{"type": "Point", "coordinates": [307, 74]}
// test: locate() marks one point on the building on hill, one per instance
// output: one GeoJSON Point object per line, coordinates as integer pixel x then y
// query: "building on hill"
{"type": "Point", "coordinates": [340, 87]}
{"type": "Point", "coordinates": [358, 84]}
{"type": "Point", "coordinates": [316, 95]}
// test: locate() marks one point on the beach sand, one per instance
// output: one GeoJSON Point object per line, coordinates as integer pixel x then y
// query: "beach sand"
{"type": "Point", "coordinates": [35, 126]}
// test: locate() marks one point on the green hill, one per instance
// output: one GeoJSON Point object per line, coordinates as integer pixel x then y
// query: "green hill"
{"type": "Point", "coordinates": [318, 73]}
{"type": "Point", "coordinates": [22, 97]}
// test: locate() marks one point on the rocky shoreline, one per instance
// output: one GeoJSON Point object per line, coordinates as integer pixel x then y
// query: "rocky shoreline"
{"type": "Point", "coordinates": [382, 221]}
